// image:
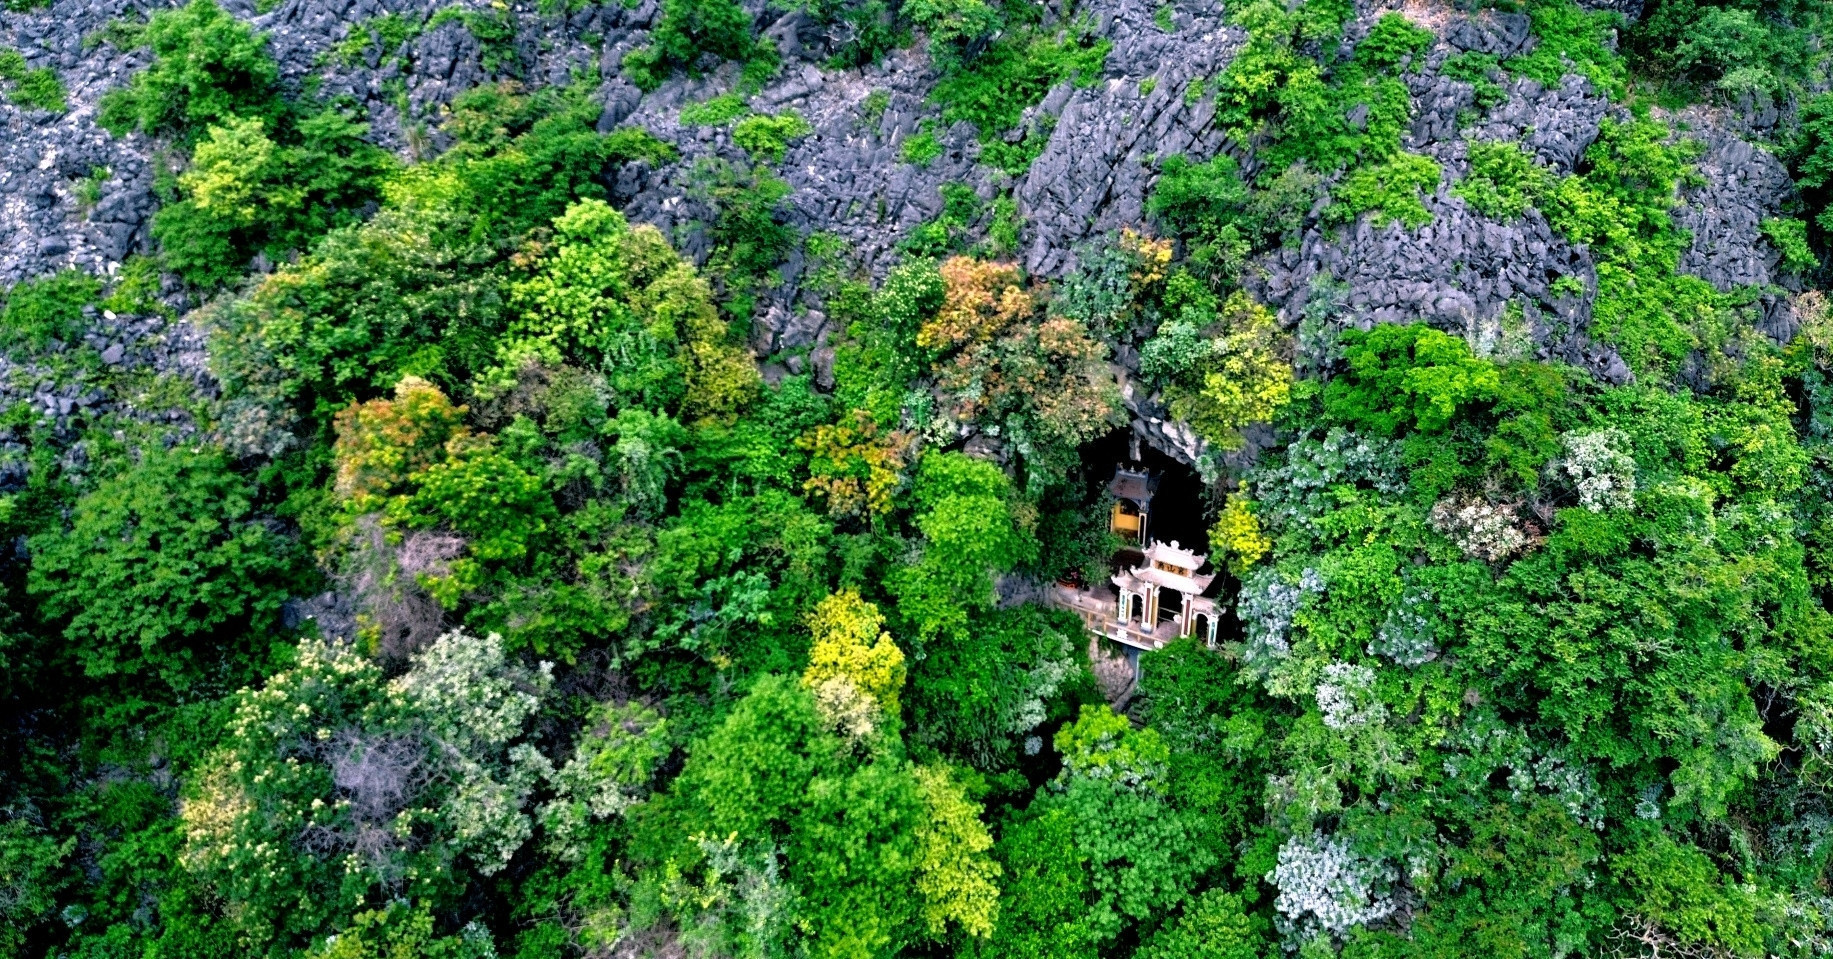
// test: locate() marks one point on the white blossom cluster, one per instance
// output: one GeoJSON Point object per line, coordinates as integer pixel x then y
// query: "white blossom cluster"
{"type": "Point", "coordinates": [472, 702]}
{"type": "Point", "coordinates": [1486, 744]}
{"type": "Point", "coordinates": [1406, 633]}
{"type": "Point", "coordinates": [1041, 682]}
{"type": "Point", "coordinates": [1601, 469]}
{"type": "Point", "coordinates": [613, 761]}
{"type": "Point", "coordinates": [1267, 606]}
{"type": "Point", "coordinates": [847, 708]}
{"type": "Point", "coordinates": [1648, 803]}
{"type": "Point", "coordinates": [468, 694]}
{"type": "Point", "coordinates": [1346, 697]}
{"type": "Point", "coordinates": [1325, 886]}
{"type": "Point", "coordinates": [1483, 530]}
{"type": "Point", "coordinates": [1572, 785]}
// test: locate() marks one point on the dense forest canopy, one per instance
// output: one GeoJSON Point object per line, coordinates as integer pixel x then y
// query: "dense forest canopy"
{"type": "Point", "coordinates": [477, 585]}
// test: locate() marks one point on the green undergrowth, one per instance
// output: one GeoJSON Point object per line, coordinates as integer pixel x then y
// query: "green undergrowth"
{"type": "Point", "coordinates": [38, 89]}
{"type": "Point", "coordinates": [994, 89]}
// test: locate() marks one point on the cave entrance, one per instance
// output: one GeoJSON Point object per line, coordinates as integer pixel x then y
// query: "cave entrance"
{"type": "Point", "coordinates": [1158, 586]}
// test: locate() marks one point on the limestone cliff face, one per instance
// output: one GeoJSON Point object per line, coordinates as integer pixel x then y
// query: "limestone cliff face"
{"type": "Point", "coordinates": [1460, 271]}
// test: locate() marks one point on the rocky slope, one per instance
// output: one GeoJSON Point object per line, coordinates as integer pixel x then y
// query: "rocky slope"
{"type": "Point", "coordinates": [1460, 272]}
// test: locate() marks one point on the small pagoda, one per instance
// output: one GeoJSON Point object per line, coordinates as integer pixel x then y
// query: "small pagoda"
{"type": "Point", "coordinates": [1142, 592]}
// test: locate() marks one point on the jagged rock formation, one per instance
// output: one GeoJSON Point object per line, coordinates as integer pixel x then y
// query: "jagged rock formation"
{"type": "Point", "coordinates": [73, 195]}
{"type": "Point", "coordinates": [1094, 175]}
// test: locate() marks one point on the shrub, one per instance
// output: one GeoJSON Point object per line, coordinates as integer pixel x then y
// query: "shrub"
{"type": "Point", "coordinates": [1571, 39]}
{"type": "Point", "coordinates": [48, 308]}
{"type": "Point", "coordinates": [38, 88]}
{"type": "Point", "coordinates": [994, 91]}
{"type": "Point", "coordinates": [1790, 237]}
{"type": "Point", "coordinates": [1390, 191]}
{"type": "Point", "coordinates": [244, 193]}
{"type": "Point", "coordinates": [715, 112]}
{"type": "Point", "coordinates": [921, 149]}
{"type": "Point", "coordinates": [166, 573]}
{"type": "Point", "coordinates": [767, 137]}
{"type": "Point", "coordinates": [1226, 375]}
{"type": "Point", "coordinates": [1482, 71]}
{"type": "Point", "coordinates": [1504, 180]}
{"type": "Point", "coordinates": [692, 28]}
{"type": "Point", "coordinates": [957, 28]}
{"type": "Point", "coordinates": [208, 67]}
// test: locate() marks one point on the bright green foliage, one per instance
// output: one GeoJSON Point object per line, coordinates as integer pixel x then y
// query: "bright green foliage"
{"type": "Point", "coordinates": [994, 90]}
{"type": "Point", "coordinates": [969, 536]}
{"type": "Point", "coordinates": [1408, 376]}
{"type": "Point", "coordinates": [39, 89]}
{"type": "Point", "coordinates": [1504, 181]}
{"type": "Point", "coordinates": [841, 831]}
{"type": "Point", "coordinates": [1390, 191]}
{"type": "Point", "coordinates": [616, 297]}
{"type": "Point", "coordinates": [1620, 208]}
{"type": "Point", "coordinates": [1678, 887]}
{"type": "Point", "coordinates": [165, 573]}
{"type": "Point", "coordinates": [485, 496]}
{"type": "Point", "coordinates": [1043, 910]}
{"type": "Point", "coordinates": [1121, 850]}
{"type": "Point", "coordinates": [245, 193]}
{"type": "Point", "coordinates": [49, 308]}
{"type": "Point", "coordinates": [1271, 81]}
{"type": "Point", "coordinates": [1226, 370]}
{"type": "Point", "coordinates": [767, 136]}
{"type": "Point", "coordinates": [266, 177]}
{"type": "Point", "coordinates": [399, 931]}
{"type": "Point", "coordinates": [208, 68]}
{"type": "Point", "coordinates": [418, 289]}
{"type": "Point", "coordinates": [953, 874]}
{"type": "Point", "coordinates": [921, 149]}
{"type": "Point", "coordinates": [715, 112]}
{"type": "Point", "coordinates": [1791, 239]}
{"type": "Point", "coordinates": [520, 161]}
{"type": "Point", "coordinates": [1571, 39]}
{"type": "Point", "coordinates": [1215, 925]}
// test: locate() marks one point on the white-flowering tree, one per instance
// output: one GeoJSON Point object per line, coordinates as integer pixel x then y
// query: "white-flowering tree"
{"type": "Point", "coordinates": [1599, 464]}
{"type": "Point", "coordinates": [1327, 887]}
{"type": "Point", "coordinates": [335, 788]}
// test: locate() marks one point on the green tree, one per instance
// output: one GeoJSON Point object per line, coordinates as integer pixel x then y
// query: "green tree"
{"type": "Point", "coordinates": [166, 573]}
{"type": "Point", "coordinates": [208, 68]}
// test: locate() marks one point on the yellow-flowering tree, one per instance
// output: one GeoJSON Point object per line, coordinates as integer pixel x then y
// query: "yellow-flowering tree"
{"type": "Point", "coordinates": [853, 663]}
{"type": "Point", "coordinates": [1237, 537]}
{"type": "Point", "coordinates": [381, 443]}
{"type": "Point", "coordinates": [1224, 371]}
{"type": "Point", "coordinates": [954, 874]}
